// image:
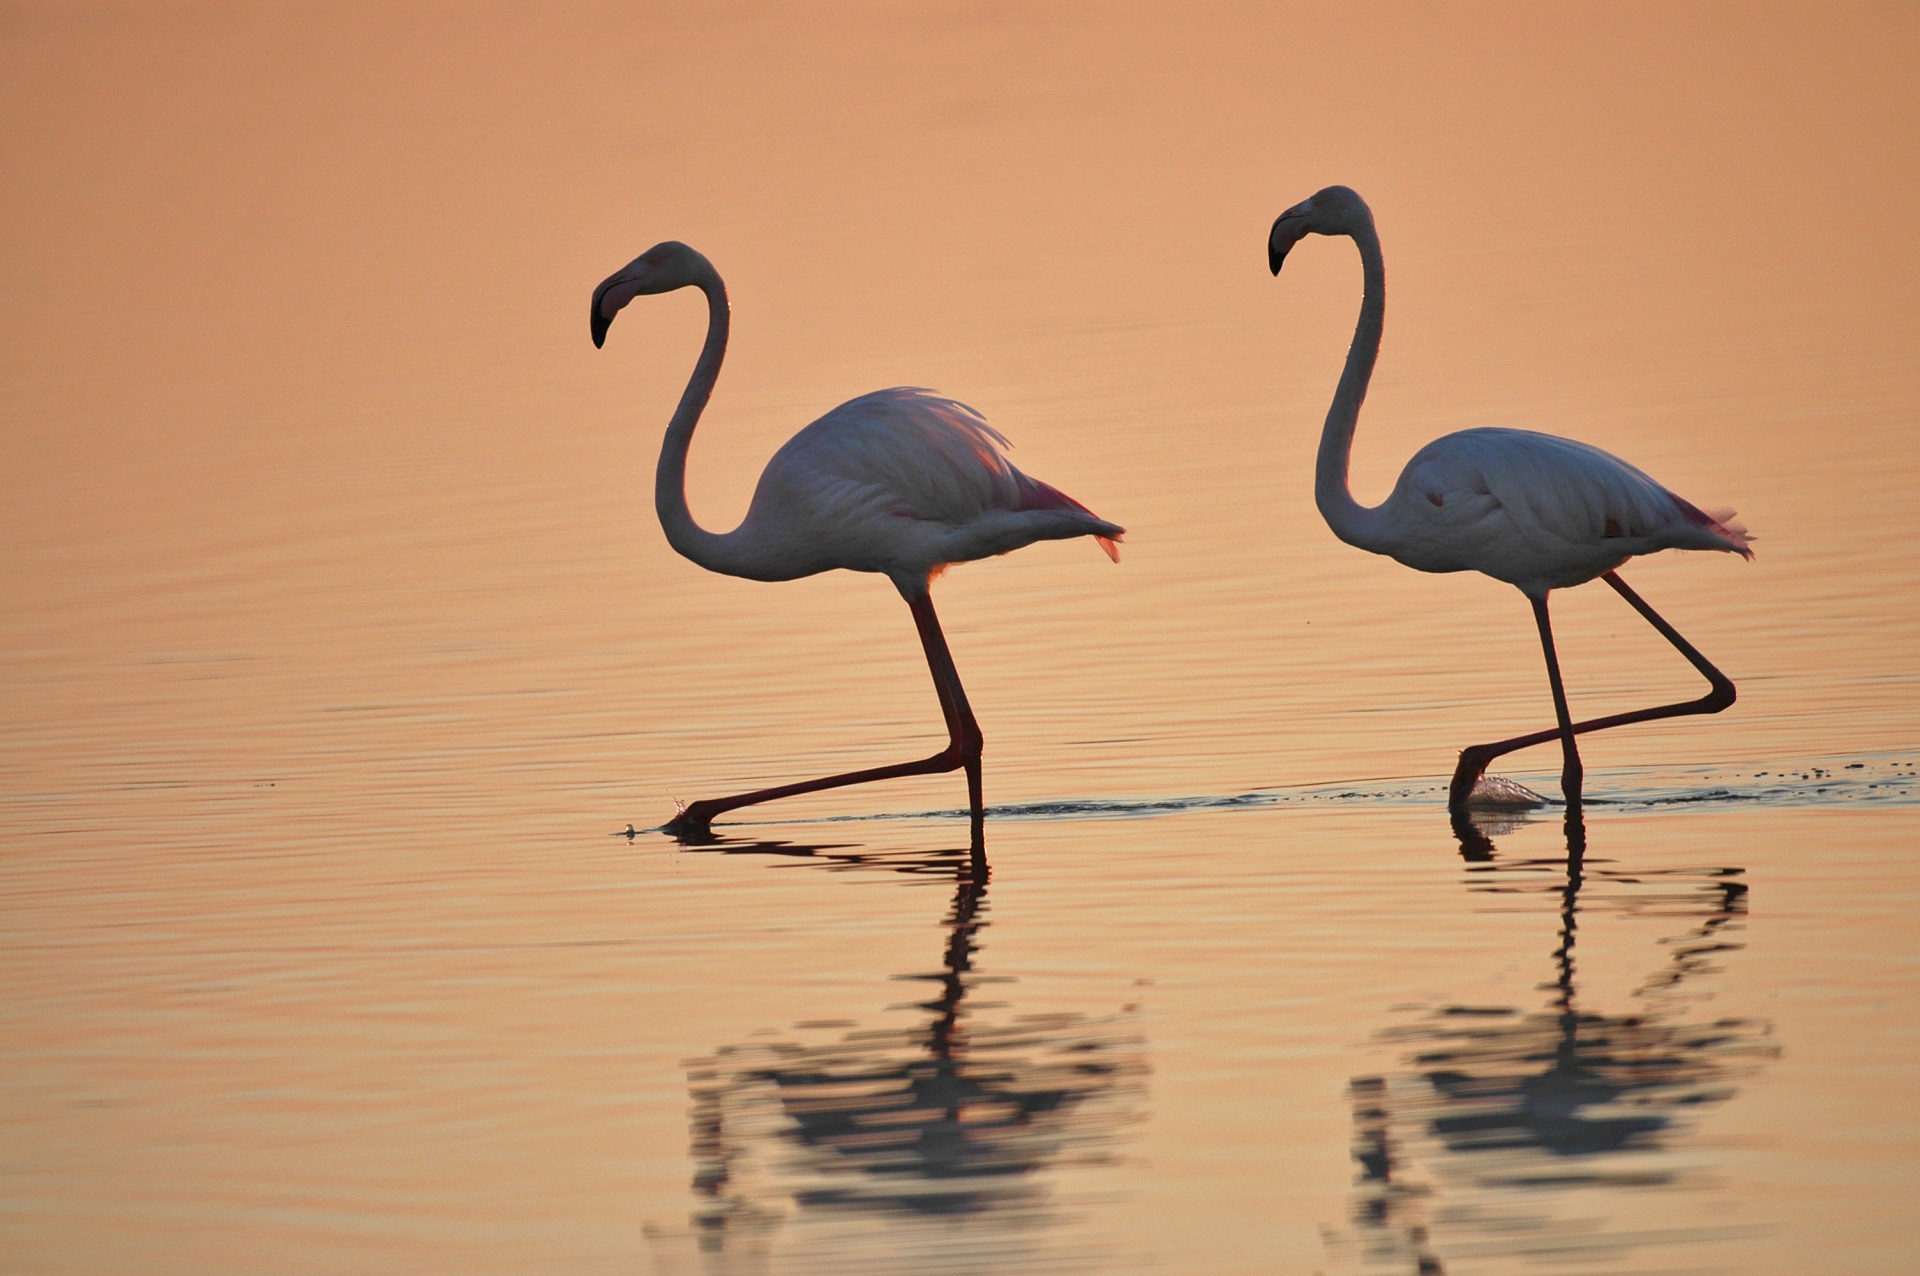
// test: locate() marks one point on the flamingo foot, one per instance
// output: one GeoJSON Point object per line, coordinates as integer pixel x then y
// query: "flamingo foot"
{"type": "Point", "coordinates": [1472, 787]}
{"type": "Point", "coordinates": [695, 817]}
{"type": "Point", "coordinates": [1466, 775]}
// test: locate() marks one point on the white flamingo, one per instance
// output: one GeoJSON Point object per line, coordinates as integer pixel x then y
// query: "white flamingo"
{"type": "Point", "coordinates": [900, 481]}
{"type": "Point", "coordinates": [1536, 511]}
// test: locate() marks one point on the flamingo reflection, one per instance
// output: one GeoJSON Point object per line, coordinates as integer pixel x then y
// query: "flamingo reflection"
{"type": "Point", "coordinates": [1501, 1114]}
{"type": "Point", "coordinates": [949, 1130]}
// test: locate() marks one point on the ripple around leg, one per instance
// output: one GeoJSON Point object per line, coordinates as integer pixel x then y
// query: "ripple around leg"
{"type": "Point", "coordinates": [1891, 779]}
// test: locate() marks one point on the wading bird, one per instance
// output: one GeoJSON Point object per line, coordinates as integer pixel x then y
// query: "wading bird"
{"type": "Point", "coordinates": [900, 481]}
{"type": "Point", "coordinates": [1536, 511]}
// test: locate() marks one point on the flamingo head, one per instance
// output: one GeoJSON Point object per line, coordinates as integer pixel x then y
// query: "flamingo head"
{"type": "Point", "coordinates": [1337, 210]}
{"type": "Point", "coordinates": [662, 268]}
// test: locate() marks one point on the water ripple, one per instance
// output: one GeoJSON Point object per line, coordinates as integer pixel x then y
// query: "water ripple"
{"type": "Point", "coordinates": [1865, 780]}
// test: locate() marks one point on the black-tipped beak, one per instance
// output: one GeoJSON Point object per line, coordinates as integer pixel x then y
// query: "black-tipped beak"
{"type": "Point", "coordinates": [598, 322]}
{"type": "Point", "coordinates": [1288, 229]}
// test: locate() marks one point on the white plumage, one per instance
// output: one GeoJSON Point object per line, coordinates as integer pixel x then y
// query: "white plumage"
{"type": "Point", "coordinates": [1537, 511]}
{"type": "Point", "coordinates": [904, 482]}
{"type": "Point", "coordinates": [900, 481]}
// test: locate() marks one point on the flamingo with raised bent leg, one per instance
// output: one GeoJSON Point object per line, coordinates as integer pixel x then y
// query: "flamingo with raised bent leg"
{"type": "Point", "coordinates": [900, 482]}
{"type": "Point", "coordinates": [1539, 512]}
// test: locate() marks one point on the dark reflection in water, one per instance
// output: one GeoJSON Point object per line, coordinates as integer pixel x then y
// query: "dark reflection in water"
{"type": "Point", "coordinates": [1517, 1138]}
{"type": "Point", "coordinates": [921, 1147]}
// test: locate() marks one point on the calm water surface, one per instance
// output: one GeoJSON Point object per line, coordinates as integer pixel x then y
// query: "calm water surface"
{"type": "Point", "coordinates": [338, 641]}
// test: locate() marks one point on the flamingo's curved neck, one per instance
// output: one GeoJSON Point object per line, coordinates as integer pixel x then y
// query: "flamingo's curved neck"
{"type": "Point", "coordinates": [1351, 521]}
{"type": "Point", "coordinates": [712, 550]}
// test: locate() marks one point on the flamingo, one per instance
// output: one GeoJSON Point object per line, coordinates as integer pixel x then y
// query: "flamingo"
{"type": "Point", "coordinates": [1537, 511]}
{"type": "Point", "coordinates": [900, 482]}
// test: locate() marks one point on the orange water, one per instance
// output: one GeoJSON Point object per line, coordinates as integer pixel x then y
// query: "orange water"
{"type": "Point", "coordinates": [338, 635]}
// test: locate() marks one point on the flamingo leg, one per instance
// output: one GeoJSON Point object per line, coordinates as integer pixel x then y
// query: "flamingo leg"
{"type": "Point", "coordinates": [963, 732]}
{"type": "Point", "coordinates": [964, 741]}
{"type": "Point", "coordinates": [1720, 694]}
{"type": "Point", "coordinates": [1570, 770]}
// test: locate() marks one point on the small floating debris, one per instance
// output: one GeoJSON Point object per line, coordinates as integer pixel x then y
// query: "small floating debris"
{"type": "Point", "coordinates": [1498, 793]}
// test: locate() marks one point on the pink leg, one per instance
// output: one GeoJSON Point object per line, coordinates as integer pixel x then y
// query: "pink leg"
{"type": "Point", "coordinates": [1571, 771]}
{"type": "Point", "coordinates": [964, 741]}
{"type": "Point", "coordinates": [1474, 760]}
{"type": "Point", "coordinates": [963, 733]}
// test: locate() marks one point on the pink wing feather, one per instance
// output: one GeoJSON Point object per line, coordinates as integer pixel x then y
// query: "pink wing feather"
{"type": "Point", "coordinates": [1035, 495]}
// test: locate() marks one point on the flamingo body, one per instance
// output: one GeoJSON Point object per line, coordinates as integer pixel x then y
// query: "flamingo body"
{"type": "Point", "coordinates": [902, 482]}
{"type": "Point", "coordinates": [1537, 511]}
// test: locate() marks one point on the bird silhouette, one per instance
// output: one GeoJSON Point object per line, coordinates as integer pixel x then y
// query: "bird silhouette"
{"type": "Point", "coordinates": [1539, 512]}
{"type": "Point", "coordinates": [900, 482]}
